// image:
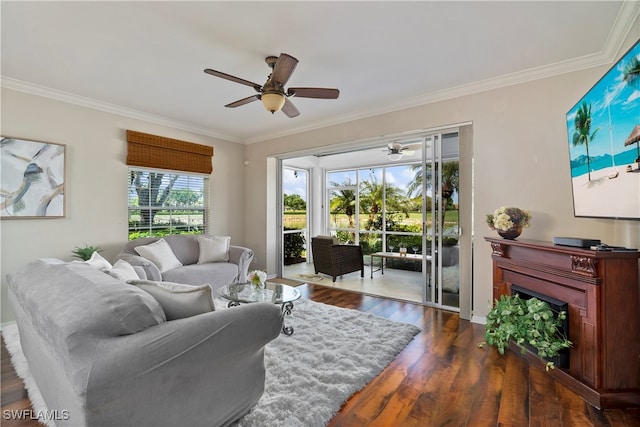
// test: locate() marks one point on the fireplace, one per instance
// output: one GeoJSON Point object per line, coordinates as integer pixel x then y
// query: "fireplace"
{"type": "Point", "coordinates": [562, 359]}
{"type": "Point", "coordinates": [600, 292]}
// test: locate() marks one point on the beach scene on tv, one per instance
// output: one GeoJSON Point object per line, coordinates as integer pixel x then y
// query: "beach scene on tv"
{"type": "Point", "coordinates": [604, 143]}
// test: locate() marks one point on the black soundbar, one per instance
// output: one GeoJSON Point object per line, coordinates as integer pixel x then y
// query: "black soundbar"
{"type": "Point", "coordinates": [576, 242]}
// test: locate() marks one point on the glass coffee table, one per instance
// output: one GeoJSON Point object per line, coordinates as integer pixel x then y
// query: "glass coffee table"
{"type": "Point", "coordinates": [277, 293]}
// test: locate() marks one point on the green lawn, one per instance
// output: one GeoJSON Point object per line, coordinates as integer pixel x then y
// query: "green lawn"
{"type": "Point", "coordinates": [298, 220]}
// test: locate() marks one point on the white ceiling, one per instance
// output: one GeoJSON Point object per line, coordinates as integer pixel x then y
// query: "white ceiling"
{"type": "Point", "coordinates": [146, 59]}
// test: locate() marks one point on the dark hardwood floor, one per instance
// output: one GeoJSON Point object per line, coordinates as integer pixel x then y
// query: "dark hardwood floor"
{"type": "Point", "coordinates": [441, 378]}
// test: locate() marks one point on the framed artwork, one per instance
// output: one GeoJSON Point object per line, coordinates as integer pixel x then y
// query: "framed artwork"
{"type": "Point", "coordinates": [32, 179]}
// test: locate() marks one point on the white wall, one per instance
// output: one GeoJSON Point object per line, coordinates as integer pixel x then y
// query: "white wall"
{"type": "Point", "coordinates": [520, 158]}
{"type": "Point", "coordinates": [96, 181]}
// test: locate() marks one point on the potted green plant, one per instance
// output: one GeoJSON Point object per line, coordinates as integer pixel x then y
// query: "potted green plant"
{"type": "Point", "coordinates": [529, 322]}
{"type": "Point", "coordinates": [293, 247]}
{"type": "Point", "coordinates": [86, 252]}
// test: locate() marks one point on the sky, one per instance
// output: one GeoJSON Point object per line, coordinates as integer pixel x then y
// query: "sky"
{"type": "Point", "coordinates": [294, 185]}
{"type": "Point", "coordinates": [399, 176]}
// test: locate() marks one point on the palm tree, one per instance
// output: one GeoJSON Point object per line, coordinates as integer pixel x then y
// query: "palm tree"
{"type": "Point", "coordinates": [450, 180]}
{"type": "Point", "coordinates": [372, 194]}
{"type": "Point", "coordinates": [414, 189]}
{"type": "Point", "coordinates": [343, 201]}
{"type": "Point", "coordinates": [583, 134]}
{"type": "Point", "coordinates": [631, 72]}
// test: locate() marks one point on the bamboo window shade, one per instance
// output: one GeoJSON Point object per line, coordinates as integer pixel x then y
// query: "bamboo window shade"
{"type": "Point", "coordinates": [158, 152]}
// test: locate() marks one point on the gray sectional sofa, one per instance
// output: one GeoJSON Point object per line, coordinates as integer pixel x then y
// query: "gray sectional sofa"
{"type": "Point", "coordinates": [102, 350]}
{"type": "Point", "coordinates": [186, 248]}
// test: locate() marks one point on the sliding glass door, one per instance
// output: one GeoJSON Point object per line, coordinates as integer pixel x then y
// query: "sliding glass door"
{"type": "Point", "coordinates": [440, 240]}
{"type": "Point", "coordinates": [295, 215]}
{"type": "Point", "coordinates": [391, 204]}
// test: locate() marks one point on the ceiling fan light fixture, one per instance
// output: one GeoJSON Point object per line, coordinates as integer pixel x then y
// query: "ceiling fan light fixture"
{"type": "Point", "coordinates": [273, 93]}
{"type": "Point", "coordinates": [394, 155]}
{"type": "Point", "coordinates": [273, 101]}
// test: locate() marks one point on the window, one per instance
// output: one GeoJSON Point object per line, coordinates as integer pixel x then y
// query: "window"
{"type": "Point", "coordinates": [163, 202]}
{"type": "Point", "coordinates": [370, 205]}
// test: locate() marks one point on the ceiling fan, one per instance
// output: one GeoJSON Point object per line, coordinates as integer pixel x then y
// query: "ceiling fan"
{"type": "Point", "coordinates": [273, 94]}
{"type": "Point", "coordinates": [395, 151]}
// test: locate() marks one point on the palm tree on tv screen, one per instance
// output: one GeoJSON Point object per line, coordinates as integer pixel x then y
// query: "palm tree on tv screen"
{"type": "Point", "coordinates": [583, 134]}
{"type": "Point", "coordinates": [631, 72]}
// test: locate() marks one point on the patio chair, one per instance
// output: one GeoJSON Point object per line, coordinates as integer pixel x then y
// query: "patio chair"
{"type": "Point", "coordinates": [334, 259]}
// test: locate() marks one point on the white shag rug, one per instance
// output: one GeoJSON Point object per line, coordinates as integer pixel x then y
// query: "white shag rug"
{"type": "Point", "coordinates": [332, 353]}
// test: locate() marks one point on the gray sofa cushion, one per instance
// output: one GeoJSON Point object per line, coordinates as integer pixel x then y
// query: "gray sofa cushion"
{"type": "Point", "coordinates": [178, 300]}
{"type": "Point", "coordinates": [185, 247]}
{"type": "Point", "coordinates": [216, 274]}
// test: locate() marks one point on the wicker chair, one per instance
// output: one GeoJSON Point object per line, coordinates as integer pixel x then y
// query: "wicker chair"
{"type": "Point", "coordinates": [335, 259]}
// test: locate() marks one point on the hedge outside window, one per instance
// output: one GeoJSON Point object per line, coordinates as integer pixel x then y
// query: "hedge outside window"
{"type": "Point", "coordinates": [166, 202]}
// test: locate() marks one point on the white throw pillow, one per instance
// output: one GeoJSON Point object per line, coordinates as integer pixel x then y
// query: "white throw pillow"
{"type": "Point", "coordinates": [99, 262]}
{"type": "Point", "coordinates": [214, 249]}
{"type": "Point", "coordinates": [178, 300]}
{"type": "Point", "coordinates": [160, 254]}
{"type": "Point", "coordinates": [122, 270]}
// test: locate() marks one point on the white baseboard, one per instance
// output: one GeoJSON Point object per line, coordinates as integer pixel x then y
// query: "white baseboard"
{"type": "Point", "coordinates": [479, 319]}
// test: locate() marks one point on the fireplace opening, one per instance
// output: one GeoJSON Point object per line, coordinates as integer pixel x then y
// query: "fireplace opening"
{"type": "Point", "coordinates": [562, 360]}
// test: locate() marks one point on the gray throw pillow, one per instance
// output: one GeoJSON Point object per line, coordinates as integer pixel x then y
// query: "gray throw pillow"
{"type": "Point", "coordinates": [178, 300]}
{"type": "Point", "coordinates": [122, 270]}
{"type": "Point", "coordinates": [98, 262]}
{"type": "Point", "coordinates": [213, 249]}
{"type": "Point", "coordinates": [160, 254]}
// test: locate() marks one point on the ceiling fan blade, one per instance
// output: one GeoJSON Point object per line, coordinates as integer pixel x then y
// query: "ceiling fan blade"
{"type": "Point", "coordinates": [313, 92]}
{"type": "Point", "coordinates": [408, 152]}
{"type": "Point", "coordinates": [226, 76]}
{"type": "Point", "coordinates": [284, 68]}
{"type": "Point", "coordinates": [289, 109]}
{"type": "Point", "coordinates": [243, 101]}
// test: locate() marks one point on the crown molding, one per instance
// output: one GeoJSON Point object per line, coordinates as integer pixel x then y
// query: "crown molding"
{"type": "Point", "coordinates": [622, 27]}
{"type": "Point", "coordinates": [70, 98]}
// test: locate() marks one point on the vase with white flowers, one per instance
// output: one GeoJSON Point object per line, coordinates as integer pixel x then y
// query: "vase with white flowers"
{"type": "Point", "coordinates": [509, 221]}
{"type": "Point", "coordinates": [257, 279]}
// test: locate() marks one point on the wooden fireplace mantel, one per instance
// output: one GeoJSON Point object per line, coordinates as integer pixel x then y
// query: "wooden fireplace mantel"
{"type": "Point", "coordinates": [603, 293]}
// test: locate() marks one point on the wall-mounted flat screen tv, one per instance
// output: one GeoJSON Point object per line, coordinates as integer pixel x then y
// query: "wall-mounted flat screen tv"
{"type": "Point", "coordinates": [604, 143]}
